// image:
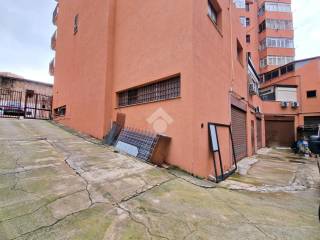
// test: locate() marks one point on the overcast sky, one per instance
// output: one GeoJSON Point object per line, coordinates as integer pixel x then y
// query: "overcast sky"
{"type": "Point", "coordinates": [26, 30]}
{"type": "Point", "coordinates": [25, 33]}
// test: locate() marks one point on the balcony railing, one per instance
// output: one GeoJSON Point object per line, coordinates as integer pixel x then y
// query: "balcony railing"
{"type": "Point", "coordinates": [51, 67]}
{"type": "Point", "coordinates": [54, 40]}
{"type": "Point", "coordinates": [55, 15]}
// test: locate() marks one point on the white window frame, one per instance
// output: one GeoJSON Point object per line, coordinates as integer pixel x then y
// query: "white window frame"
{"type": "Point", "coordinates": [240, 3]}
{"type": "Point", "coordinates": [243, 21]}
{"type": "Point", "coordinates": [277, 7]}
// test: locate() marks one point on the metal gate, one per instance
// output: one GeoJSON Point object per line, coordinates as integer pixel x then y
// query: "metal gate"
{"type": "Point", "coordinates": [37, 106]}
{"type": "Point", "coordinates": [239, 132]}
{"type": "Point", "coordinates": [14, 104]}
{"type": "Point", "coordinates": [10, 103]}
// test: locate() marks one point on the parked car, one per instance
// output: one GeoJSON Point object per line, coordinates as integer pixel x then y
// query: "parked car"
{"type": "Point", "coordinates": [12, 111]}
{"type": "Point", "coordinates": [311, 133]}
{"type": "Point", "coordinates": [314, 144]}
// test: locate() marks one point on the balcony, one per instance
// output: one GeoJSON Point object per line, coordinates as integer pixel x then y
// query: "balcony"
{"type": "Point", "coordinates": [55, 15]}
{"type": "Point", "coordinates": [54, 41]}
{"type": "Point", "coordinates": [51, 67]}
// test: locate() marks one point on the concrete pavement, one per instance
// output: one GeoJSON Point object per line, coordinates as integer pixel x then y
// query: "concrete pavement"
{"type": "Point", "coordinates": [56, 185]}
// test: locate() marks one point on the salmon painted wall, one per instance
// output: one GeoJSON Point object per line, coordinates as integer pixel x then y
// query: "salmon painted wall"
{"type": "Point", "coordinates": [213, 72]}
{"type": "Point", "coordinates": [160, 39]}
{"type": "Point", "coordinates": [307, 77]}
{"type": "Point", "coordinates": [153, 44]}
{"type": "Point", "coordinates": [81, 64]}
{"type": "Point", "coordinates": [188, 48]}
{"type": "Point", "coordinates": [252, 30]}
{"type": "Point", "coordinates": [220, 71]}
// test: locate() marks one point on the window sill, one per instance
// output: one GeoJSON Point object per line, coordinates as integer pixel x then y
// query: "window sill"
{"type": "Point", "coordinates": [138, 104]}
{"type": "Point", "coordinates": [216, 26]}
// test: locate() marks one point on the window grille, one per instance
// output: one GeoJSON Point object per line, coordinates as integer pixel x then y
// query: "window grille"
{"type": "Point", "coordinates": [163, 90]}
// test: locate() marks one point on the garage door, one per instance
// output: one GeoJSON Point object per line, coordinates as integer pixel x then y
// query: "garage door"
{"type": "Point", "coordinates": [239, 132]}
{"type": "Point", "coordinates": [311, 121]}
{"type": "Point", "coordinates": [259, 133]}
{"type": "Point", "coordinates": [279, 133]}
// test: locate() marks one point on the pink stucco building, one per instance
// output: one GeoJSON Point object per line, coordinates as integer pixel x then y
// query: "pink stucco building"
{"type": "Point", "coordinates": [183, 62]}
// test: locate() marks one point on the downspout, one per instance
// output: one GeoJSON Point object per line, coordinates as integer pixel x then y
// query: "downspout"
{"type": "Point", "coordinates": [108, 94]}
{"type": "Point", "coordinates": [231, 45]}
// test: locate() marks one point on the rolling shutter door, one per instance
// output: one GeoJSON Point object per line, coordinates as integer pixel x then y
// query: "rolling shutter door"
{"type": "Point", "coordinates": [239, 132]}
{"type": "Point", "coordinates": [259, 133]}
{"type": "Point", "coordinates": [279, 133]}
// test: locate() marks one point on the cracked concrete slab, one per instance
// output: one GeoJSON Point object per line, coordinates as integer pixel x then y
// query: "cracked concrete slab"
{"type": "Point", "coordinates": [61, 185]}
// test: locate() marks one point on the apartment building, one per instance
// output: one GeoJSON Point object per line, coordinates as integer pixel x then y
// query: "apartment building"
{"type": "Point", "coordinates": [291, 100]}
{"type": "Point", "coordinates": [183, 62]}
{"type": "Point", "coordinates": [269, 32]}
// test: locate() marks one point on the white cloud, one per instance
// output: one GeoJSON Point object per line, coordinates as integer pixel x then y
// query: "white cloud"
{"type": "Point", "coordinates": [41, 75]}
{"type": "Point", "coordinates": [306, 20]}
{"type": "Point", "coordinates": [25, 38]}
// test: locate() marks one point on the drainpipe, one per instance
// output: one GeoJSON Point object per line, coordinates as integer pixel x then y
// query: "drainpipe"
{"type": "Point", "coordinates": [231, 44]}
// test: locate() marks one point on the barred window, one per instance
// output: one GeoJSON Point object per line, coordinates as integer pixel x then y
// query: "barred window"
{"type": "Point", "coordinates": [163, 90]}
{"type": "Point", "coordinates": [60, 111]}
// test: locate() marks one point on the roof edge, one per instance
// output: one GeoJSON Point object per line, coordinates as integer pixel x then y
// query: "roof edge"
{"type": "Point", "coordinates": [27, 80]}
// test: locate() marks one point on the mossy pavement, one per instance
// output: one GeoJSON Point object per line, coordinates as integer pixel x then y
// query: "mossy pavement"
{"type": "Point", "coordinates": [57, 185]}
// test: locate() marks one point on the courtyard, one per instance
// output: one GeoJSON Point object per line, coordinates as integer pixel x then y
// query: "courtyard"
{"type": "Point", "coordinates": [58, 184]}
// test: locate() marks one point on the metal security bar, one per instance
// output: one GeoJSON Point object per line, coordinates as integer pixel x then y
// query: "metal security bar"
{"type": "Point", "coordinates": [14, 104]}
{"type": "Point", "coordinates": [10, 103]}
{"type": "Point", "coordinates": [144, 141]}
{"type": "Point", "coordinates": [37, 106]}
{"type": "Point", "coordinates": [167, 89]}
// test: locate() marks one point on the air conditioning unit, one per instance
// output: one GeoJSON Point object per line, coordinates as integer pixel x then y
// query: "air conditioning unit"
{"type": "Point", "coordinates": [284, 104]}
{"type": "Point", "coordinates": [294, 104]}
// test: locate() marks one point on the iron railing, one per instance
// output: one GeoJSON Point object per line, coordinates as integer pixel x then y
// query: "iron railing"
{"type": "Point", "coordinates": [14, 104]}
{"type": "Point", "coordinates": [11, 103]}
